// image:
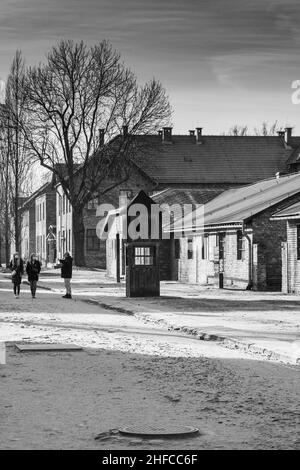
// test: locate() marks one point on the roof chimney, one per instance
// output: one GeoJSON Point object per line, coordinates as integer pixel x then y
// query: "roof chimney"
{"type": "Point", "coordinates": [167, 135]}
{"type": "Point", "coordinates": [160, 132]}
{"type": "Point", "coordinates": [101, 137]}
{"type": "Point", "coordinates": [288, 134]}
{"type": "Point", "coordinates": [199, 135]}
{"type": "Point", "coordinates": [192, 132]}
{"type": "Point", "coordinates": [281, 134]}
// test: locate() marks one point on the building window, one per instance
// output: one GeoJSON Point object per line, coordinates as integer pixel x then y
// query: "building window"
{"type": "Point", "coordinates": [92, 241]}
{"type": "Point", "coordinates": [212, 246]}
{"type": "Point", "coordinates": [221, 241]}
{"type": "Point", "coordinates": [298, 241]}
{"type": "Point", "coordinates": [69, 240]}
{"type": "Point", "coordinates": [239, 245]}
{"type": "Point", "coordinates": [144, 256]}
{"type": "Point", "coordinates": [177, 248]}
{"type": "Point", "coordinates": [92, 204]}
{"type": "Point", "coordinates": [204, 247]}
{"type": "Point", "coordinates": [190, 248]}
{"type": "Point", "coordinates": [43, 211]}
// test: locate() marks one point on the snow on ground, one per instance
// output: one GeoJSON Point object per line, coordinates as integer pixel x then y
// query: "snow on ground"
{"type": "Point", "coordinates": [133, 373]}
{"type": "Point", "coordinates": [53, 319]}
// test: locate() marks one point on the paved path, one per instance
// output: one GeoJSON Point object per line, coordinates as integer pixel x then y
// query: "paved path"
{"type": "Point", "coordinates": [261, 323]}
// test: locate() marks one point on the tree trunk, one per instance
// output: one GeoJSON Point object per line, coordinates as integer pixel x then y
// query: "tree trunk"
{"type": "Point", "coordinates": [78, 237]}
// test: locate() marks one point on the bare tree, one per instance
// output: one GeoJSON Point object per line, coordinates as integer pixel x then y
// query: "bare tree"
{"type": "Point", "coordinates": [237, 130]}
{"type": "Point", "coordinates": [77, 102]}
{"type": "Point", "coordinates": [265, 129]}
{"type": "Point", "coordinates": [18, 167]}
{"type": "Point", "coordinates": [5, 186]}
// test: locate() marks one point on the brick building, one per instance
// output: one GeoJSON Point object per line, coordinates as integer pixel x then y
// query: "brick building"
{"type": "Point", "coordinates": [37, 213]}
{"type": "Point", "coordinates": [182, 162]}
{"type": "Point", "coordinates": [195, 168]}
{"type": "Point", "coordinates": [238, 243]}
{"type": "Point", "coordinates": [290, 217]}
{"type": "Point", "coordinates": [45, 217]}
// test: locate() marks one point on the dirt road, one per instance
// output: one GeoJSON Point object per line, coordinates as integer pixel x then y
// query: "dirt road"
{"type": "Point", "coordinates": [130, 373]}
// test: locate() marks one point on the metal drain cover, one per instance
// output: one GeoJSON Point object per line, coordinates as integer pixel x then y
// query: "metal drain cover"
{"type": "Point", "coordinates": [159, 431]}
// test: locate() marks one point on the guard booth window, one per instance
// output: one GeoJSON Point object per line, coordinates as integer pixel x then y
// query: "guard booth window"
{"type": "Point", "coordinates": [143, 255]}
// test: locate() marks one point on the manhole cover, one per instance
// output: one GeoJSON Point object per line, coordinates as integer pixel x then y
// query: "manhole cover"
{"type": "Point", "coordinates": [159, 431]}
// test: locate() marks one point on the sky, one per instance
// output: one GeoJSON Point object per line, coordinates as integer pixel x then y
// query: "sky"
{"type": "Point", "coordinates": [222, 62]}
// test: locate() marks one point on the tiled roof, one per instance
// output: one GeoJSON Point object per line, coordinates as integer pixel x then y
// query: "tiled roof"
{"type": "Point", "coordinates": [292, 211]}
{"type": "Point", "coordinates": [186, 196]}
{"type": "Point", "coordinates": [237, 205]}
{"type": "Point", "coordinates": [219, 159]}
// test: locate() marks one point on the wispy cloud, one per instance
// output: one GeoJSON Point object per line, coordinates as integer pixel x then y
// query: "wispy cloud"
{"type": "Point", "coordinates": [220, 47]}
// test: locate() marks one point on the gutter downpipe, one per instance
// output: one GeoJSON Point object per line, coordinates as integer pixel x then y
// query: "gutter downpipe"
{"type": "Point", "coordinates": [250, 263]}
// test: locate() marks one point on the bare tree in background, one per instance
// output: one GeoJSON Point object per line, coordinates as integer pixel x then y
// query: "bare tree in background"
{"type": "Point", "coordinates": [76, 102]}
{"type": "Point", "coordinates": [5, 187]}
{"type": "Point", "coordinates": [265, 129]}
{"type": "Point", "coordinates": [268, 129]}
{"type": "Point", "coordinates": [18, 166]}
{"type": "Point", "coordinates": [237, 130]}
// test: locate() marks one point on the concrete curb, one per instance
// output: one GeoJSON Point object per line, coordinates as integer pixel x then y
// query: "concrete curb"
{"type": "Point", "coordinates": [227, 342]}
{"type": "Point", "coordinates": [230, 343]}
{"type": "Point", "coordinates": [108, 306]}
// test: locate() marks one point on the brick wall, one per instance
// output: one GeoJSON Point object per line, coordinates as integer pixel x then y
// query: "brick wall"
{"type": "Point", "coordinates": [206, 271]}
{"type": "Point", "coordinates": [269, 236]}
{"type": "Point", "coordinates": [291, 265]}
{"type": "Point", "coordinates": [236, 271]}
{"type": "Point", "coordinates": [196, 269]}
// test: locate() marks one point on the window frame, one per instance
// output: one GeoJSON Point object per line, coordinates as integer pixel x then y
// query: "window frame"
{"type": "Point", "coordinates": [141, 255]}
{"type": "Point", "coordinates": [240, 248]}
{"type": "Point", "coordinates": [92, 242]}
{"type": "Point", "coordinates": [190, 248]}
{"type": "Point", "coordinates": [221, 244]}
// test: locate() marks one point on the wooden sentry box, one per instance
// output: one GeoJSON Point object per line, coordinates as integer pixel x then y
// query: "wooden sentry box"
{"type": "Point", "coordinates": [142, 269]}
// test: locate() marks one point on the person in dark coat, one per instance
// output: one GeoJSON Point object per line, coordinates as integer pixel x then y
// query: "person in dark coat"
{"type": "Point", "coordinates": [17, 270]}
{"type": "Point", "coordinates": [33, 269]}
{"type": "Point", "coordinates": [66, 273]}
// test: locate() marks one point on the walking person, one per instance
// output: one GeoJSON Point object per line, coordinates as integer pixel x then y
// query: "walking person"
{"type": "Point", "coordinates": [17, 270]}
{"type": "Point", "coordinates": [66, 273]}
{"type": "Point", "coordinates": [33, 269]}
